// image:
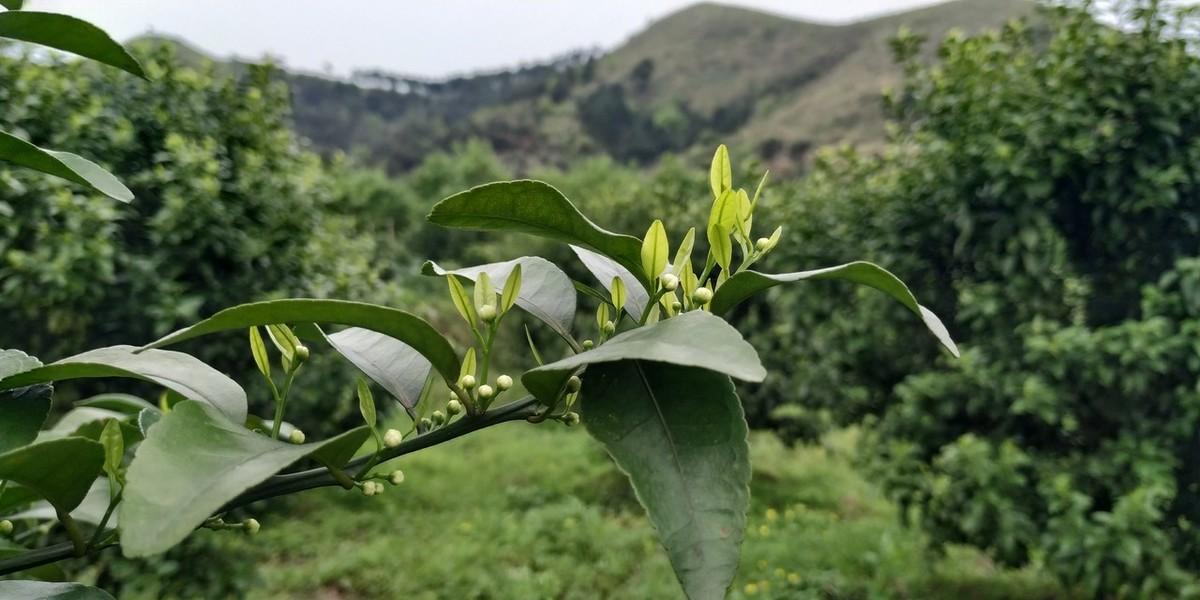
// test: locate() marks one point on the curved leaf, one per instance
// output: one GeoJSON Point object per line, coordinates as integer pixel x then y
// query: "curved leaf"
{"type": "Point", "coordinates": [122, 403]}
{"type": "Point", "coordinates": [91, 510]}
{"type": "Point", "coordinates": [536, 208]}
{"type": "Point", "coordinates": [694, 339]}
{"type": "Point", "coordinates": [60, 471]}
{"type": "Point", "coordinates": [45, 590]}
{"type": "Point", "coordinates": [176, 371]}
{"type": "Point", "coordinates": [747, 283]}
{"type": "Point", "coordinates": [192, 463]}
{"type": "Point", "coordinates": [25, 410]}
{"type": "Point", "coordinates": [546, 292]}
{"type": "Point", "coordinates": [69, 34]}
{"type": "Point", "coordinates": [406, 327]}
{"type": "Point", "coordinates": [61, 164]}
{"type": "Point", "coordinates": [606, 269]}
{"type": "Point", "coordinates": [680, 436]}
{"type": "Point", "coordinates": [391, 363]}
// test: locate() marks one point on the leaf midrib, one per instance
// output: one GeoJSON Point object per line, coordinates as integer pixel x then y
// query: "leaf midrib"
{"type": "Point", "coordinates": [670, 441]}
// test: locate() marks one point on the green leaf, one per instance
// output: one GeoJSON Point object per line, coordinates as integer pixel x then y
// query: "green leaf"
{"type": "Point", "coordinates": [45, 590]}
{"type": "Point", "coordinates": [683, 254]}
{"type": "Point", "coordinates": [60, 471]}
{"type": "Point", "coordinates": [258, 349]}
{"type": "Point", "coordinates": [366, 403]}
{"type": "Point", "coordinates": [25, 410]}
{"type": "Point", "coordinates": [694, 339]}
{"type": "Point", "coordinates": [63, 165]}
{"type": "Point", "coordinates": [605, 270]}
{"type": "Point", "coordinates": [91, 510]}
{"type": "Point", "coordinates": [114, 448]}
{"type": "Point", "coordinates": [601, 315]}
{"type": "Point", "coordinates": [285, 341]}
{"type": "Point", "coordinates": [192, 463]}
{"type": "Point", "coordinates": [619, 294]}
{"type": "Point", "coordinates": [747, 283]}
{"type": "Point", "coordinates": [544, 291]}
{"type": "Point", "coordinates": [655, 250]}
{"type": "Point", "coordinates": [394, 365]}
{"type": "Point", "coordinates": [175, 371]}
{"type": "Point", "coordinates": [719, 246]}
{"type": "Point", "coordinates": [123, 403]}
{"type": "Point", "coordinates": [680, 436]}
{"type": "Point", "coordinates": [12, 4]}
{"type": "Point", "coordinates": [485, 294]}
{"type": "Point", "coordinates": [147, 418]}
{"type": "Point", "coordinates": [720, 174]}
{"type": "Point", "coordinates": [537, 356]}
{"type": "Point", "coordinates": [535, 208]}
{"type": "Point", "coordinates": [15, 361]}
{"type": "Point", "coordinates": [512, 289]}
{"type": "Point", "coordinates": [724, 211]}
{"type": "Point", "coordinates": [69, 34]}
{"type": "Point", "coordinates": [758, 190]}
{"type": "Point", "coordinates": [462, 302]}
{"type": "Point", "coordinates": [408, 328]}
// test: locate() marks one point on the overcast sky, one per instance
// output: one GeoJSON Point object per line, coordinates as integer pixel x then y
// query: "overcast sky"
{"type": "Point", "coordinates": [432, 38]}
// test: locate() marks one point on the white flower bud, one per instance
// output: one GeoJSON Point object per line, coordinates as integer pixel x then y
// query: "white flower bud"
{"type": "Point", "coordinates": [503, 382]}
{"type": "Point", "coordinates": [392, 438]}
{"type": "Point", "coordinates": [251, 526]}
{"type": "Point", "coordinates": [676, 306]}
{"type": "Point", "coordinates": [425, 424]}
{"type": "Point", "coordinates": [487, 313]}
{"type": "Point", "coordinates": [6, 527]}
{"type": "Point", "coordinates": [368, 488]}
{"type": "Point", "coordinates": [609, 328]}
{"type": "Point", "coordinates": [454, 407]}
{"type": "Point", "coordinates": [486, 391]}
{"type": "Point", "coordinates": [587, 344]}
{"type": "Point", "coordinates": [301, 353]}
{"type": "Point", "coordinates": [573, 384]}
{"type": "Point", "coordinates": [467, 381]}
{"type": "Point", "coordinates": [702, 295]}
{"type": "Point", "coordinates": [397, 477]}
{"type": "Point", "coordinates": [761, 244]}
{"type": "Point", "coordinates": [296, 437]}
{"type": "Point", "coordinates": [571, 419]}
{"type": "Point", "coordinates": [438, 417]}
{"type": "Point", "coordinates": [669, 281]}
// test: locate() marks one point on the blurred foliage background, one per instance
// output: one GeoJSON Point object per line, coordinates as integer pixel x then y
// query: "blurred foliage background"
{"type": "Point", "coordinates": [1035, 184]}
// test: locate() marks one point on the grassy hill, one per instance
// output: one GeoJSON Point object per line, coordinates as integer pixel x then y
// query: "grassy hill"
{"type": "Point", "coordinates": [708, 73]}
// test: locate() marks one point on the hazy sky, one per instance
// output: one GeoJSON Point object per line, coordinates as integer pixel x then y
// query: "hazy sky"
{"type": "Point", "coordinates": [432, 38]}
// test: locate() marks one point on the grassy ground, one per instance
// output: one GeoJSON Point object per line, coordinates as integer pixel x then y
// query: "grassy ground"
{"type": "Point", "coordinates": [538, 512]}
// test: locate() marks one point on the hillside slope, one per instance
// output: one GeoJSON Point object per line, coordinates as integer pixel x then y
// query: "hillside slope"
{"type": "Point", "coordinates": [706, 74]}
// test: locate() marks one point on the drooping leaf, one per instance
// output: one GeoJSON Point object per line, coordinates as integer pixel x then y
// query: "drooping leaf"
{"type": "Point", "coordinates": [175, 371]}
{"type": "Point", "coordinates": [747, 283]}
{"type": "Point", "coordinates": [605, 269]}
{"type": "Point", "coordinates": [122, 403]}
{"type": "Point", "coordinates": [408, 328]}
{"type": "Point", "coordinates": [394, 365]}
{"type": "Point", "coordinates": [63, 165]}
{"type": "Point", "coordinates": [655, 249]}
{"type": "Point", "coordinates": [59, 471]}
{"type": "Point", "coordinates": [16, 361]}
{"type": "Point", "coordinates": [25, 410]}
{"type": "Point", "coordinates": [694, 339]}
{"type": "Point", "coordinates": [46, 590]}
{"type": "Point", "coordinates": [545, 291]}
{"type": "Point", "coordinates": [69, 34]}
{"type": "Point", "coordinates": [720, 174]}
{"type": "Point", "coordinates": [680, 436]}
{"type": "Point", "coordinates": [536, 208]}
{"type": "Point", "coordinates": [91, 510]}
{"type": "Point", "coordinates": [192, 463]}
